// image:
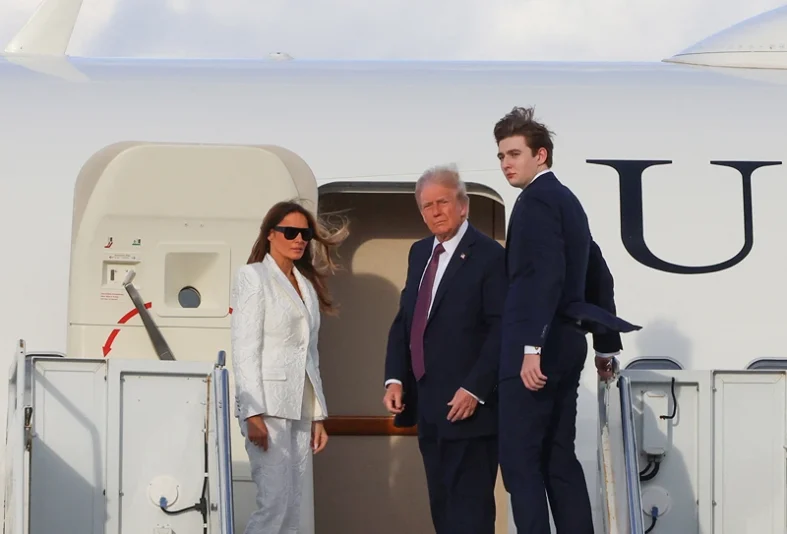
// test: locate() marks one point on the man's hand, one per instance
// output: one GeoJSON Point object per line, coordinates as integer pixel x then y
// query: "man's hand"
{"type": "Point", "coordinates": [605, 367]}
{"type": "Point", "coordinates": [462, 406]}
{"type": "Point", "coordinates": [393, 398]}
{"type": "Point", "coordinates": [531, 372]}
{"type": "Point", "coordinates": [257, 431]}
{"type": "Point", "coordinates": [319, 436]}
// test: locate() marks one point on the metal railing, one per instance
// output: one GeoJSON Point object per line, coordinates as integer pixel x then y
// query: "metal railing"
{"type": "Point", "coordinates": [633, 491]}
{"type": "Point", "coordinates": [15, 520]}
{"type": "Point", "coordinates": [222, 417]}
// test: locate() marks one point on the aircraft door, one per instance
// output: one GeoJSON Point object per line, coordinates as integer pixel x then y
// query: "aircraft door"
{"type": "Point", "coordinates": [184, 217]}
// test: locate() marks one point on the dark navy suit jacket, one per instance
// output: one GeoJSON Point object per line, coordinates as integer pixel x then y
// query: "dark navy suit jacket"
{"type": "Point", "coordinates": [462, 337]}
{"type": "Point", "coordinates": [559, 283]}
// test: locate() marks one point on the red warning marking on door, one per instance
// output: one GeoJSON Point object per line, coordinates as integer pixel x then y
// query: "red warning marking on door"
{"type": "Point", "coordinates": [123, 320]}
{"type": "Point", "coordinates": [108, 343]}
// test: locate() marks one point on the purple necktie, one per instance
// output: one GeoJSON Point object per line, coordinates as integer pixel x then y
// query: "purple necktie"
{"type": "Point", "coordinates": [421, 313]}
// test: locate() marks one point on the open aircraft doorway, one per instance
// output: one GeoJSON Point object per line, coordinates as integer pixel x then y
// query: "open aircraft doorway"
{"type": "Point", "coordinates": [371, 478]}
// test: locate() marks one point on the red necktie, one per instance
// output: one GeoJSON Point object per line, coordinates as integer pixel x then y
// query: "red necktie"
{"type": "Point", "coordinates": [422, 313]}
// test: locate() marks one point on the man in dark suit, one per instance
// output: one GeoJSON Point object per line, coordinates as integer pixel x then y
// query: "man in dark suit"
{"type": "Point", "coordinates": [559, 290]}
{"type": "Point", "coordinates": [441, 366]}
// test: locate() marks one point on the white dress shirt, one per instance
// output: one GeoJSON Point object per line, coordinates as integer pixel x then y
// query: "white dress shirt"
{"type": "Point", "coordinates": [450, 247]}
{"type": "Point", "coordinates": [533, 350]}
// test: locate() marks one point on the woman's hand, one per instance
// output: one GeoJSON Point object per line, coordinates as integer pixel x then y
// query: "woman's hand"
{"type": "Point", "coordinates": [319, 436]}
{"type": "Point", "coordinates": [257, 431]}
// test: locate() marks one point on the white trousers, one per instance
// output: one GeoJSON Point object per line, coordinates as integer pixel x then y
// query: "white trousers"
{"type": "Point", "coordinates": [279, 474]}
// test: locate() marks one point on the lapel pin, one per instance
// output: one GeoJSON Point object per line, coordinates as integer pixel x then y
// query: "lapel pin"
{"type": "Point", "coordinates": [462, 255]}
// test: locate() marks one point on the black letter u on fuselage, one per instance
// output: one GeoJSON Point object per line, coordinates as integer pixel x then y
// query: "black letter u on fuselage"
{"type": "Point", "coordinates": [631, 218]}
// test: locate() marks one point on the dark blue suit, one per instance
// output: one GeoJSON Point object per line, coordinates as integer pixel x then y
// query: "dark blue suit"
{"type": "Point", "coordinates": [461, 350]}
{"type": "Point", "coordinates": [559, 289]}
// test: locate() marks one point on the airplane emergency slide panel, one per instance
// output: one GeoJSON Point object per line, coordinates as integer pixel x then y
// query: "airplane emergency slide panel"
{"type": "Point", "coordinates": [183, 217]}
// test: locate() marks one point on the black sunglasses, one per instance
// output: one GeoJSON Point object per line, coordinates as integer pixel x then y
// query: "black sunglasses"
{"type": "Point", "coordinates": [291, 232]}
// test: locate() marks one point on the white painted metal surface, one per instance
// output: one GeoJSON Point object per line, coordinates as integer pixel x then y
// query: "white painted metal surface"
{"type": "Point", "coordinates": [723, 471]}
{"type": "Point", "coordinates": [756, 43]}
{"type": "Point", "coordinates": [749, 465]}
{"type": "Point", "coordinates": [107, 439]}
{"type": "Point", "coordinates": [48, 31]}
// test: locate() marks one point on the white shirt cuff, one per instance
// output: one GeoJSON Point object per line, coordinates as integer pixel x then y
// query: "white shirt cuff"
{"type": "Point", "coordinates": [476, 398]}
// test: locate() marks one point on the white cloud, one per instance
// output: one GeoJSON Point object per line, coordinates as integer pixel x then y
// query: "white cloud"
{"type": "Point", "coordinates": [394, 29]}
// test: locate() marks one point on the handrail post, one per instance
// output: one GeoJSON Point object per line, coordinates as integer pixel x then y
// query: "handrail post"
{"type": "Point", "coordinates": [636, 521]}
{"type": "Point", "coordinates": [222, 415]}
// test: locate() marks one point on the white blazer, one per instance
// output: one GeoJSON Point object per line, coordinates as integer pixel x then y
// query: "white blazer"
{"type": "Point", "coordinates": [274, 343]}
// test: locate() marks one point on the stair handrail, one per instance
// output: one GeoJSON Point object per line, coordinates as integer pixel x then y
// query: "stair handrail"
{"type": "Point", "coordinates": [222, 416]}
{"type": "Point", "coordinates": [633, 489]}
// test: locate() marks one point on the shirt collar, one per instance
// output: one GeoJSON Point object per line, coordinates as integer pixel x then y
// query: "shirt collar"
{"type": "Point", "coordinates": [451, 244]}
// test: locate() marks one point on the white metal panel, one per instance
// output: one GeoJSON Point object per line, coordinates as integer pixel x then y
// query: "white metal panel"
{"type": "Point", "coordinates": [68, 446]}
{"type": "Point", "coordinates": [749, 463]}
{"type": "Point", "coordinates": [171, 437]}
{"type": "Point", "coordinates": [682, 487]}
{"type": "Point", "coordinates": [156, 433]}
{"type": "Point", "coordinates": [678, 474]}
{"type": "Point", "coordinates": [15, 466]}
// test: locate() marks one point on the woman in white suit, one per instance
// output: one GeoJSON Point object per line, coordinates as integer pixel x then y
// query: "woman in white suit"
{"type": "Point", "coordinates": [277, 299]}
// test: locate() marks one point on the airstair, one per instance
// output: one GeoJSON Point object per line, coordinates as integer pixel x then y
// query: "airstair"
{"type": "Point", "coordinates": [117, 446]}
{"type": "Point", "coordinates": [111, 446]}
{"type": "Point", "coordinates": [693, 452]}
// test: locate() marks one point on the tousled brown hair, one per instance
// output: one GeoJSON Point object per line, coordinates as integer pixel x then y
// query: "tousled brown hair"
{"type": "Point", "coordinates": [316, 263]}
{"type": "Point", "coordinates": [520, 121]}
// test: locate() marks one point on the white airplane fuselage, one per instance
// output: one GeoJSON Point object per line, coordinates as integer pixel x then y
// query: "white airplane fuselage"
{"type": "Point", "coordinates": [388, 122]}
{"type": "Point", "coordinates": [699, 270]}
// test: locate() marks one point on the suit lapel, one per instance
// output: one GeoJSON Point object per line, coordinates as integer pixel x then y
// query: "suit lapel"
{"type": "Point", "coordinates": [512, 225]}
{"type": "Point", "coordinates": [309, 299]}
{"type": "Point", "coordinates": [458, 259]}
{"type": "Point", "coordinates": [517, 202]}
{"type": "Point", "coordinates": [284, 283]}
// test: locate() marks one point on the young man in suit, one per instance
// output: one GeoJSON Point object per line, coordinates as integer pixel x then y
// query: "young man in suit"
{"type": "Point", "coordinates": [559, 289]}
{"type": "Point", "coordinates": [441, 365]}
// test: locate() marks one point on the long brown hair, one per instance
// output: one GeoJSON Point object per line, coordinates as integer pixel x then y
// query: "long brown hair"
{"type": "Point", "coordinates": [316, 263]}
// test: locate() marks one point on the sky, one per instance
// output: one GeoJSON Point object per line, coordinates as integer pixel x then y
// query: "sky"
{"type": "Point", "coordinates": [548, 30]}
